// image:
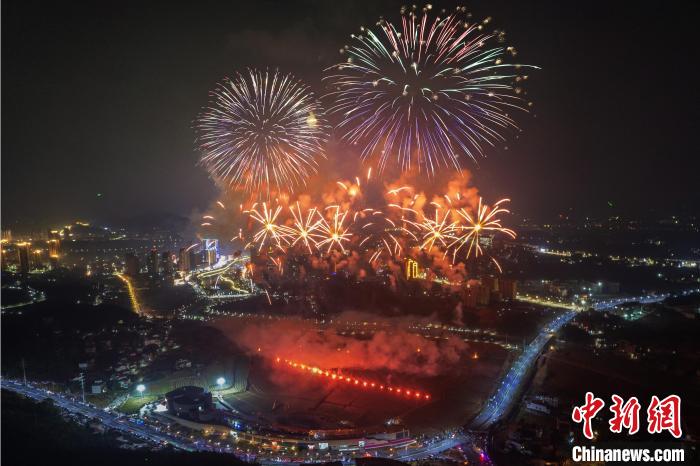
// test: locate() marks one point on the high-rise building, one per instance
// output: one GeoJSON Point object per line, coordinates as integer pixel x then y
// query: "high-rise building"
{"type": "Point", "coordinates": [210, 250]}
{"type": "Point", "coordinates": [483, 295]}
{"type": "Point", "coordinates": [54, 244]}
{"type": "Point", "coordinates": [132, 265]}
{"type": "Point", "coordinates": [166, 263]}
{"type": "Point", "coordinates": [3, 259]}
{"type": "Point", "coordinates": [23, 257]}
{"type": "Point", "coordinates": [469, 295]}
{"type": "Point", "coordinates": [38, 258]}
{"type": "Point", "coordinates": [210, 257]}
{"type": "Point", "coordinates": [491, 283]}
{"type": "Point", "coordinates": [184, 262]}
{"type": "Point", "coordinates": [152, 263]}
{"type": "Point", "coordinates": [508, 288]}
{"type": "Point", "coordinates": [189, 260]}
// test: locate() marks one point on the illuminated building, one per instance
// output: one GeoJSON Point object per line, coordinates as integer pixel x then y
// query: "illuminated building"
{"type": "Point", "coordinates": [469, 293]}
{"type": "Point", "coordinates": [54, 247]}
{"type": "Point", "coordinates": [210, 257]}
{"type": "Point", "coordinates": [478, 293]}
{"type": "Point", "coordinates": [152, 263]}
{"type": "Point", "coordinates": [185, 260]}
{"type": "Point", "coordinates": [490, 282]}
{"type": "Point", "coordinates": [54, 250]}
{"type": "Point", "coordinates": [210, 249]}
{"type": "Point", "coordinates": [413, 270]}
{"type": "Point", "coordinates": [483, 296]}
{"type": "Point", "coordinates": [23, 257]}
{"type": "Point", "coordinates": [486, 240]}
{"type": "Point", "coordinates": [508, 288]}
{"type": "Point", "coordinates": [166, 261]}
{"type": "Point", "coordinates": [190, 402]}
{"type": "Point", "coordinates": [38, 258]}
{"type": "Point", "coordinates": [132, 265]}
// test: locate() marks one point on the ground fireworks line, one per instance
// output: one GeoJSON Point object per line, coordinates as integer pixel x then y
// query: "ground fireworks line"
{"type": "Point", "coordinates": [336, 376]}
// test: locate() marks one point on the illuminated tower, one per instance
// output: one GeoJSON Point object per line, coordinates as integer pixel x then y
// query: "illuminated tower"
{"type": "Point", "coordinates": [210, 248]}
{"type": "Point", "coordinates": [412, 269]}
{"type": "Point", "coordinates": [23, 257]}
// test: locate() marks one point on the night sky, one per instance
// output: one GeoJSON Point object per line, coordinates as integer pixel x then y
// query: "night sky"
{"type": "Point", "coordinates": [100, 97]}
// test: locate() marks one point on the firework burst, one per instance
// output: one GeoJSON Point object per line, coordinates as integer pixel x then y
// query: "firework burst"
{"type": "Point", "coordinates": [426, 92]}
{"type": "Point", "coordinates": [334, 230]}
{"type": "Point", "coordinates": [382, 236]}
{"type": "Point", "coordinates": [269, 231]}
{"type": "Point", "coordinates": [484, 220]}
{"type": "Point", "coordinates": [261, 132]}
{"type": "Point", "coordinates": [436, 231]}
{"type": "Point", "coordinates": [305, 229]}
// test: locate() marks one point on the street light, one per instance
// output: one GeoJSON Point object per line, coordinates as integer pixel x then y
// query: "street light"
{"type": "Point", "coordinates": [220, 382]}
{"type": "Point", "coordinates": [140, 388]}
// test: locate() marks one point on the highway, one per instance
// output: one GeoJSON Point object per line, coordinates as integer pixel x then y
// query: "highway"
{"type": "Point", "coordinates": [497, 406]}
{"type": "Point", "coordinates": [432, 449]}
{"type": "Point", "coordinates": [649, 299]}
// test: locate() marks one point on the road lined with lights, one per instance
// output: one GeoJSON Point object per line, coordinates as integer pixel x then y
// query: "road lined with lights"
{"type": "Point", "coordinates": [34, 295]}
{"type": "Point", "coordinates": [111, 420]}
{"type": "Point", "coordinates": [498, 405]}
{"type": "Point", "coordinates": [132, 293]}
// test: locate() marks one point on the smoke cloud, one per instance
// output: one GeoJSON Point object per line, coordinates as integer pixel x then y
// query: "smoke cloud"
{"type": "Point", "coordinates": [391, 347]}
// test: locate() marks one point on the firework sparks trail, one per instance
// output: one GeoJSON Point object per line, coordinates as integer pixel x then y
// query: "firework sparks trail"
{"type": "Point", "coordinates": [335, 376]}
{"type": "Point", "coordinates": [428, 91]}
{"type": "Point", "coordinates": [305, 230]}
{"type": "Point", "coordinates": [485, 220]}
{"type": "Point", "coordinates": [437, 231]}
{"type": "Point", "coordinates": [383, 236]}
{"type": "Point", "coordinates": [334, 230]}
{"type": "Point", "coordinates": [262, 131]}
{"type": "Point", "coordinates": [270, 231]}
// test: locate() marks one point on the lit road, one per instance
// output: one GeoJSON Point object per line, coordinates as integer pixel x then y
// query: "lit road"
{"type": "Point", "coordinates": [497, 406]}
{"type": "Point", "coordinates": [132, 293]}
{"type": "Point", "coordinates": [649, 299]}
{"type": "Point", "coordinates": [34, 297]}
{"type": "Point", "coordinates": [109, 420]}
{"type": "Point", "coordinates": [432, 449]}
